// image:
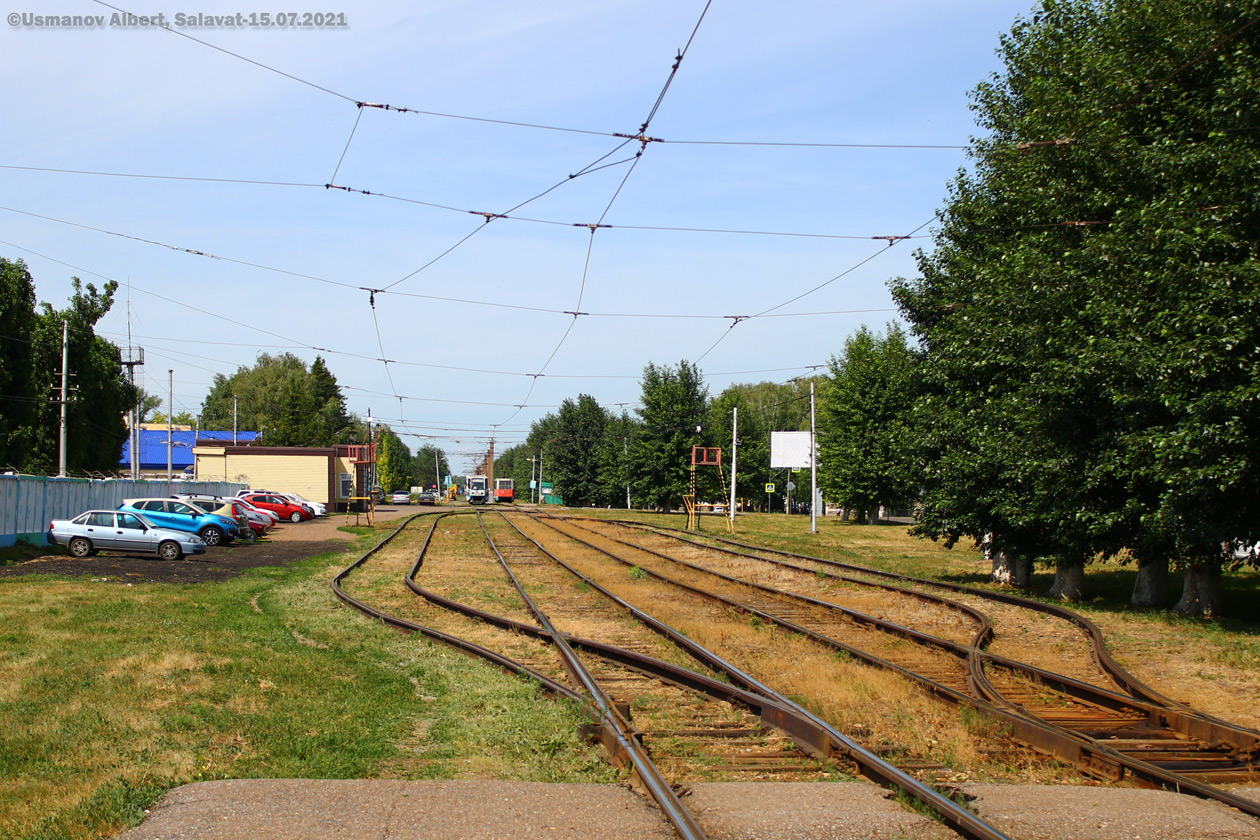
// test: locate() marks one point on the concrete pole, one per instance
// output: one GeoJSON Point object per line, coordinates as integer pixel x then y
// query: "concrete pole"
{"type": "Point", "coordinates": [234, 413]}
{"type": "Point", "coordinates": [65, 373]}
{"type": "Point", "coordinates": [734, 452]}
{"type": "Point", "coordinates": [813, 467]}
{"type": "Point", "coordinates": [170, 427]}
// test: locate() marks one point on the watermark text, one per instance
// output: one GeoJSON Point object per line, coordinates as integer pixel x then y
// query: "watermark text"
{"type": "Point", "coordinates": [182, 20]}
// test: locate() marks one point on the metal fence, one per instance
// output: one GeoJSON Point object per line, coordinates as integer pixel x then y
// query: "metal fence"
{"type": "Point", "coordinates": [29, 502]}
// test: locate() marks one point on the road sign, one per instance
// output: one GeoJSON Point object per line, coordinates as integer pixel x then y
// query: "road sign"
{"type": "Point", "coordinates": [791, 485]}
{"type": "Point", "coordinates": [769, 488]}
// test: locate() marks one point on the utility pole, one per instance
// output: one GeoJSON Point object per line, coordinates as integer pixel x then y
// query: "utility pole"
{"type": "Point", "coordinates": [813, 466]}
{"type": "Point", "coordinates": [734, 447]}
{"type": "Point", "coordinates": [134, 356]}
{"type": "Point", "coordinates": [170, 427]}
{"type": "Point", "coordinates": [437, 472]}
{"type": "Point", "coordinates": [234, 408]}
{"type": "Point", "coordinates": [65, 373]}
{"type": "Point", "coordinates": [533, 484]}
{"type": "Point", "coordinates": [625, 451]}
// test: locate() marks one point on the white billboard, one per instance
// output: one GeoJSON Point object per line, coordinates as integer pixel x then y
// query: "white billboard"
{"type": "Point", "coordinates": [789, 450]}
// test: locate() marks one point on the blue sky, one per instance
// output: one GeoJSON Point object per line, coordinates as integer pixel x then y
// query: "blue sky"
{"type": "Point", "coordinates": [293, 260]}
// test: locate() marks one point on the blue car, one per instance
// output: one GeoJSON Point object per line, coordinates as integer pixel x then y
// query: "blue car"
{"type": "Point", "coordinates": [172, 513]}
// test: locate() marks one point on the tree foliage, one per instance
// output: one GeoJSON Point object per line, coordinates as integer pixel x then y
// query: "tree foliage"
{"type": "Point", "coordinates": [575, 451]}
{"type": "Point", "coordinates": [394, 466]}
{"type": "Point", "coordinates": [288, 403]}
{"type": "Point", "coordinates": [865, 443]}
{"type": "Point", "coordinates": [1090, 310]}
{"type": "Point", "coordinates": [30, 365]}
{"type": "Point", "coordinates": [19, 396]}
{"type": "Point", "coordinates": [673, 410]}
{"type": "Point", "coordinates": [429, 458]}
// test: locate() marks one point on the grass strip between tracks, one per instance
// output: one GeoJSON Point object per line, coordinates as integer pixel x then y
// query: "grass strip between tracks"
{"type": "Point", "coordinates": [111, 694]}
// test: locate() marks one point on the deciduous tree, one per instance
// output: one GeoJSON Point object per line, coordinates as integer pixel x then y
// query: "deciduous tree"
{"type": "Point", "coordinates": [1091, 312]}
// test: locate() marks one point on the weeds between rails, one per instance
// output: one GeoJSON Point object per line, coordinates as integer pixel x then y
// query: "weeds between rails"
{"type": "Point", "coordinates": [951, 814]}
{"type": "Point", "coordinates": [1102, 733]}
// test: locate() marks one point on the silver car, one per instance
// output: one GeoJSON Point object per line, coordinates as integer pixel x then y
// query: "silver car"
{"type": "Point", "coordinates": [120, 530]}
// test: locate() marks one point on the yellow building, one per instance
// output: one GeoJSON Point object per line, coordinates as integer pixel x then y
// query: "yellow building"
{"type": "Point", "coordinates": [333, 476]}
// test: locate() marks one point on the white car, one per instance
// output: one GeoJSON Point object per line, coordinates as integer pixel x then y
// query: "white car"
{"type": "Point", "coordinates": [121, 530]}
{"type": "Point", "coordinates": [317, 508]}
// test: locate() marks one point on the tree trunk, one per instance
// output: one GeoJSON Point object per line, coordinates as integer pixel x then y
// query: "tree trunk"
{"type": "Point", "coordinates": [1010, 569]}
{"type": "Point", "coordinates": [1151, 587]}
{"type": "Point", "coordinates": [1069, 582]}
{"type": "Point", "coordinates": [1201, 592]}
{"type": "Point", "coordinates": [874, 516]}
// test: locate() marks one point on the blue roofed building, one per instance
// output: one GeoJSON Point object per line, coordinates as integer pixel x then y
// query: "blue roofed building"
{"type": "Point", "coordinates": [153, 448]}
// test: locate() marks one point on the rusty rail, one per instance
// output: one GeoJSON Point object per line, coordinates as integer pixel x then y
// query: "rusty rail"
{"type": "Point", "coordinates": [1086, 753]}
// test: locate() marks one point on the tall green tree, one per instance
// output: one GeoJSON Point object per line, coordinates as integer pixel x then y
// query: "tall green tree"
{"type": "Point", "coordinates": [290, 404]}
{"type": "Point", "coordinates": [19, 396]}
{"type": "Point", "coordinates": [95, 423]}
{"type": "Point", "coordinates": [1090, 310]}
{"type": "Point", "coordinates": [866, 447]}
{"type": "Point", "coordinates": [575, 454]}
{"type": "Point", "coordinates": [393, 460]}
{"type": "Point", "coordinates": [430, 466]}
{"type": "Point", "coordinates": [673, 411]}
{"type": "Point", "coordinates": [330, 423]}
{"type": "Point", "coordinates": [614, 473]}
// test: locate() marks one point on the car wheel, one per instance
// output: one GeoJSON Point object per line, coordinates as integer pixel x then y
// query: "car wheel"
{"type": "Point", "coordinates": [170, 550]}
{"type": "Point", "coordinates": [296, 516]}
{"type": "Point", "coordinates": [81, 547]}
{"type": "Point", "coordinates": [212, 534]}
{"type": "Point", "coordinates": [249, 536]}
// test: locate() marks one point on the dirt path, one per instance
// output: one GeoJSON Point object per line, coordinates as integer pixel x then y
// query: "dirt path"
{"type": "Point", "coordinates": [286, 543]}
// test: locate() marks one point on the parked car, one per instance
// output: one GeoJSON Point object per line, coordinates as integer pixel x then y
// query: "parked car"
{"type": "Point", "coordinates": [270, 515]}
{"type": "Point", "coordinates": [112, 530]}
{"type": "Point", "coordinates": [400, 497]}
{"type": "Point", "coordinates": [317, 508]}
{"type": "Point", "coordinates": [280, 505]}
{"type": "Point", "coordinates": [253, 522]}
{"type": "Point", "coordinates": [426, 497]}
{"type": "Point", "coordinates": [181, 516]}
{"type": "Point", "coordinates": [314, 508]}
{"type": "Point", "coordinates": [226, 509]}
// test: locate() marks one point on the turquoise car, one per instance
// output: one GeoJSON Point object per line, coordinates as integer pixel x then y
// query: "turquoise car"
{"type": "Point", "coordinates": [172, 513]}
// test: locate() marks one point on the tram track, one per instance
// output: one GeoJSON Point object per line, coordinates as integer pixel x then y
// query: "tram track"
{"type": "Point", "coordinates": [587, 661]}
{"type": "Point", "coordinates": [1102, 732]}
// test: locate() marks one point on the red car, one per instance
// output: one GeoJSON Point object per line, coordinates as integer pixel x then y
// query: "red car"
{"type": "Point", "coordinates": [282, 507]}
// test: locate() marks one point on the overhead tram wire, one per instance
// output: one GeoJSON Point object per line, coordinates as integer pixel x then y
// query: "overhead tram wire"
{"type": "Point", "coordinates": [737, 319]}
{"type": "Point", "coordinates": [238, 322]}
{"type": "Point", "coordinates": [468, 301]}
{"type": "Point", "coordinates": [449, 208]}
{"type": "Point", "coordinates": [295, 344]}
{"type": "Point", "coordinates": [405, 110]}
{"type": "Point", "coordinates": [643, 139]}
{"type": "Point", "coordinates": [358, 116]}
{"type": "Point", "coordinates": [489, 217]}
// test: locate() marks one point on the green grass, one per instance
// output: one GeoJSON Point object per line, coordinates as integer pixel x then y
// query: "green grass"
{"type": "Point", "coordinates": [110, 695]}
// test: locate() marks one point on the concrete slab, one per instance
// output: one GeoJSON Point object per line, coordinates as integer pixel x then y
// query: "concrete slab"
{"type": "Point", "coordinates": [294, 809]}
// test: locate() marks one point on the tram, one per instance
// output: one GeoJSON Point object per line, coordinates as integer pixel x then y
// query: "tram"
{"type": "Point", "coordinates": [475, 489]}
{"type": "Point", "coordinates": [504, 490]}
